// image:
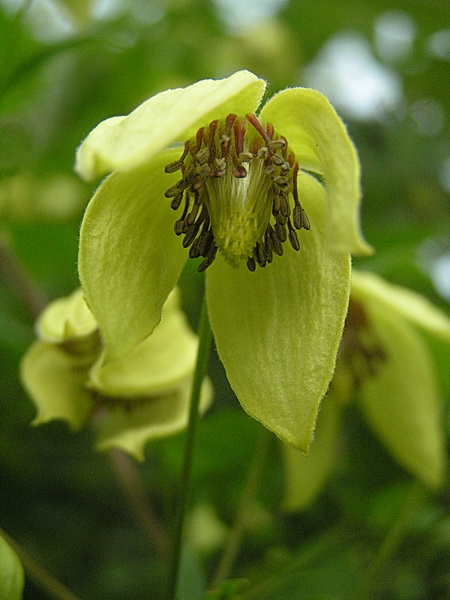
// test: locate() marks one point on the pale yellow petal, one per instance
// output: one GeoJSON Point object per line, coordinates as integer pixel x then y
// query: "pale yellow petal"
{"type": "Point", "coordinates": [160, 362]}
{"type": "Point", "coordinates": [130, 258]}
{"type": "Point", "coordinates": [321, 143]}
{"type": "Point", "coordinates": [277, 330]}
{"type": "Point", "coordinates": [66, 318]}
{"type": "Point", "coordinates": [306, 475]}
{"type": "Point", "coordinates": [373, 290]}
{"type": "Point", "coordinates": [123, 143]}
{"type": "Point", "coordinates": [154, 418]}
{"type": "Point", "coordinates": [402, 403]}
{"type": "Point", "coordinates": [55, 382]}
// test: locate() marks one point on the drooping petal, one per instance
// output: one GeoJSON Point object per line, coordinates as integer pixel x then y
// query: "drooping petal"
{"type": "Point", "coordinates": [401, 401]}
{"type": "Point", "coordinates": [129, 258]}
{"type": "Point", "coordinates": [321, 143]}
{"type": "Point", "coordinates": [373, 290]}
{"type": "Point", "coordinates": [122, 143]}
{"type": "Point", "coordinates": [278, 329]}
{"type": "Point", "coordinates": [154, 418]}
{"type": "Point", "coordinates": [160, 362]}
{"type": "Point", "coordinates": [305, 476]}
{"type": "Point", "coordinates": [54, 379]}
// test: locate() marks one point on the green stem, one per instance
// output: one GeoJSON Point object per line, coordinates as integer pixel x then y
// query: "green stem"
{"type": "Point", "coordinates": [251, 488]}
{"type": "Point", "coordinates": [391, 542]}
{"type": "Point", "coordinates": [205, 338]}
{"type": "Point", "coordinates": [41, 577]}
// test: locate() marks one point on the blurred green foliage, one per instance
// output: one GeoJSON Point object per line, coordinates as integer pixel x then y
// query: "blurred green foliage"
{"type": "Point", "coordinates": [62, 70]}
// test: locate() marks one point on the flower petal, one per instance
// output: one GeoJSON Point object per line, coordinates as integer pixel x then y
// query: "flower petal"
{"type": "Point", "coordinates": [374, 290]}
{"type": "Point", "coordinates": [161, 361]}
{"type": "Point", "coordinates": [122, 143]}
{"type": "Point", "coordinates": [155, 418]}
{"type": "Point", "coordinates": [305, 476]}
{"type": "Point", "coordinates": [66, 318]}
{"type": "Point", "coordinates": [54, 379]}
{"type": "Point", "coordinates": [130, 258]}
{"type": "Point", "coordinates": [401, 401]}
{"type": "Point", "coordinates": [278, 329]}
{"type": "Point", "coordinates": [321, 143]}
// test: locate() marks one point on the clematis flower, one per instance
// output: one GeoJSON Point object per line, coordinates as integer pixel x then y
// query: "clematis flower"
{"type": "Point", "coordinates": [268, 203]}
{"type": "Point", "coordinates": [142, 396]}
{"type": "Point", "coordinates": [386, 365]}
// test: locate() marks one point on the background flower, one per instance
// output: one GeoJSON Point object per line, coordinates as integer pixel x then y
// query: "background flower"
{"type": "Point", "coordinates": [386, 365]}
{"type": "Point", "coordinates": [144, 395]}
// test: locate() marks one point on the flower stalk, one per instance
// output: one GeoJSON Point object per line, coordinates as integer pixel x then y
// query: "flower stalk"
{"type": "Point", "coordinates": [205, 338]}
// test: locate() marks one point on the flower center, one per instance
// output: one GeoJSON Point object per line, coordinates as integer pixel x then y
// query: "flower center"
{"type": "Point", "coordinates": [239, 193]}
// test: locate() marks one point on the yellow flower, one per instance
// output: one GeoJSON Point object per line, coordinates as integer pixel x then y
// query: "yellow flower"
{"type": "Point", "coordinates": [249, 191]}
{"type": "Point", "coordinates": [144, 395]}
{"type": "Point", "coordinates": [385, 362]}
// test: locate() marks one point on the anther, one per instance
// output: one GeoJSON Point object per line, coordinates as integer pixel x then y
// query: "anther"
{"type": "Point", "coordinates": [280, 230]}
{"type": "Point", "coordinates": [175, 204]}
{"type": "Point", "coordinates": [251, 264]}
{"type": "Point", "coordinates": [261, 254]}
{"type": "Point", "coordinates": [277, 144]}
{"type": "Point", "coordinates": [239, 171]}
{"type": "Point", "coordinates": [208, 260]}
{"type": "Point", "coordinates": [281, 181]}
{"type": "Point", "coordinates": [175, 165]}
{"type": "Point", "coordinates": [293, 238]}
{"type": "Point", "coordinates": [285, 209]}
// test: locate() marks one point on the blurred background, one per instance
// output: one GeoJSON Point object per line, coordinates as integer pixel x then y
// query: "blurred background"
{"type": "Point", "coordinates": [66, 65]}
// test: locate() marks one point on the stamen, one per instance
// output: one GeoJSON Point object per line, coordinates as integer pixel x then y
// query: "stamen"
{"type": "Point", "coordinates": [239, 185]}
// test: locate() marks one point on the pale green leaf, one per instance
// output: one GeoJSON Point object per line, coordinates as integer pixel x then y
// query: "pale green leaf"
{"type": "Point", "coordinates": [321, 143]}
{"type": "Point", "coordinates": [278, 329]}
{"type": "Point", "coordinates": [123, 143]}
